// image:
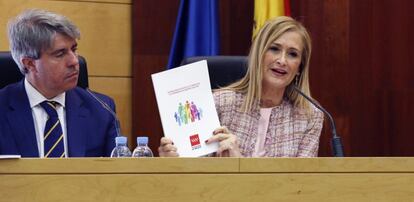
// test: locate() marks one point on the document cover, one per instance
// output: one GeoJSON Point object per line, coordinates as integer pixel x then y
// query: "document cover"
{"type": "Point", "coordinates": [186, 107]}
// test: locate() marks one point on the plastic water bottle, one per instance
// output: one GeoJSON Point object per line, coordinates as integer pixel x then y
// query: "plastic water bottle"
{"type": "Point", "coordinates": [121, 149]}
{"type": "Point", "coordinates": [142, 149]}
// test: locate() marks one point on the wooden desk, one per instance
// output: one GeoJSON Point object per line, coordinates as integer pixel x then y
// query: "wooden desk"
{"type": "Point", "coordinates": [207, 179]}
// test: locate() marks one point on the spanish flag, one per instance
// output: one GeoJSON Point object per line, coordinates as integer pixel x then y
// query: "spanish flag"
{"type": "Point", "coordinates": [266, 9]}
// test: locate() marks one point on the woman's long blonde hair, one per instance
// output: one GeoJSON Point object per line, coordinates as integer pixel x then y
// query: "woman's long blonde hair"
{"type": "Point", "coordinates": [251, 83]}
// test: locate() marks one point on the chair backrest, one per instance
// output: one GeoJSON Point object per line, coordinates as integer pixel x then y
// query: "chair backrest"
{"type": "Point", "coordinates": [10, 73]}
{"type": "Point", "coordinates": [223, 70]}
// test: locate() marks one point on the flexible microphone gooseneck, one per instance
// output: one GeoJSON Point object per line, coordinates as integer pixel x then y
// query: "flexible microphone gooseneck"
{"type": "Point", "coordinates": [336, 140]}
{"type": "Point", "coordinates": [108, 108]}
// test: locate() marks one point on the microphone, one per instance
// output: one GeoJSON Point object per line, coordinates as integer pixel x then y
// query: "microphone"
{"type": "Point", "coordinates": [108, 108]}
{"type": "Point", "coordinates": [336, 140]}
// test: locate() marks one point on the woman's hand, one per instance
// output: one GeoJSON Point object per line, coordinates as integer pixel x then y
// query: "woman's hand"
{"type": "Point", "coordinates": [228, 145]}
{"type": "Point", "coordinates": [167, 148]}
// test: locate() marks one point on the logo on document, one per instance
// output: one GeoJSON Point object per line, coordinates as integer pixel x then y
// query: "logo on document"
{"type": "Point", "coordinates": [187, 113]}
{"type": "Point", "coordinates": [195, 142]}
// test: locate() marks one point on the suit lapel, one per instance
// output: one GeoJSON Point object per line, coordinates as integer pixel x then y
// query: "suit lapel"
{"type": "Point", "coordinates": [21, 122]}
{"type": "Point", "coordinates": [76, 116]}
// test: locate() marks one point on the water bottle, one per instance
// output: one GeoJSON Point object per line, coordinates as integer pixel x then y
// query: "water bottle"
{"type": "Point", "coordinates": [121, 149]}
{"type": "Point", "coordinates": [142, 149]}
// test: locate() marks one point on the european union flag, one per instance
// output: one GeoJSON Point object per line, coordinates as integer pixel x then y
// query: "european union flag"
{"type": "Point", "coordinates": [196, 31]}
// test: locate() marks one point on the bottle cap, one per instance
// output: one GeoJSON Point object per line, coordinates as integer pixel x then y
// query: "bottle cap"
{"type": "Point", "coordinates": [120, 140]}
{"type": "Point", "coordinates": [142, 140]}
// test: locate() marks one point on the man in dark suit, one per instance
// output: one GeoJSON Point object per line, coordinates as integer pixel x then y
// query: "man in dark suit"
{"type": "Point", "coordinates": [46, 115]}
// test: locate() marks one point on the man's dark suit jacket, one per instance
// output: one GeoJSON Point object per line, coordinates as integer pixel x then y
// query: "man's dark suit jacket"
{"type": "Point", "coordinates": [91, 129]}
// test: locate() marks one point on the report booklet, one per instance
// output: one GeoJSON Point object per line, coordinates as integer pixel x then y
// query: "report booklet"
{"type": "Point", "coordinates": [186, 107]}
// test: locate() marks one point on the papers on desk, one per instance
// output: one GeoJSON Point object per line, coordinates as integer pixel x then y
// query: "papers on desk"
{"type": "Point", "coordinates": [10, 156]}
{"type": "Point", "coordinates": [186, 107]}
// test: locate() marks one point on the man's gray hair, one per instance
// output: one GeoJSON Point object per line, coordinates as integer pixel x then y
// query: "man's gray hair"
{"type": "Point", "coordinates": [33, 31]}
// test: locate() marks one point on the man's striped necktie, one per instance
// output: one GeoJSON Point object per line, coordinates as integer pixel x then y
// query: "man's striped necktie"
{"type": "Point", "coordinates": [53, 135]}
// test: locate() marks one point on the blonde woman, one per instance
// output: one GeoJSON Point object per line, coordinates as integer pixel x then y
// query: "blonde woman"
{"type": "Point", "coordinates": [261, 115]}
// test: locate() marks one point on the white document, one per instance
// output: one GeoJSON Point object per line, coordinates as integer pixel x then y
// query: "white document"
{"type": "Point", "coordinates": [10, 156]}
{"type": "Point", "coordinates": [186, 107]}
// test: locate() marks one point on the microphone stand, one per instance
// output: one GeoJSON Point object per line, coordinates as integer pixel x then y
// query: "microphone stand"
{"type": "Point", "coordinates": [108, 108]}
{"type": "Point", "coordinates": [336, 140]}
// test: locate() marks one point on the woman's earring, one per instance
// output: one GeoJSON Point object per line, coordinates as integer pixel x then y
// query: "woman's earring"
{"type": "Point", "coordinates": [297, 80]}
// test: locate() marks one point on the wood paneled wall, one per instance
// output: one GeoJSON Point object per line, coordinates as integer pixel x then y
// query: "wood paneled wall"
{"type": "Point", "coordinates": [360, 71]}
{"type": "Point", "coordinates": [360, 67]}
{"type": "Point", "coordinates": [328, 24]}
{"type": "Point", "coordinates": [105, 27]}
{"type": "Point", "coordinates": [153, 28]}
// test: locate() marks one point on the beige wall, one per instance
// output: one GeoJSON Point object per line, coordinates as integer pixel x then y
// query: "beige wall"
{"type": "Point", "coordinates": [105, 27]}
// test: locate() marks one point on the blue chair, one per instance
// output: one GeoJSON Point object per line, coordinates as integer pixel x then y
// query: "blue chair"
{"type": "Point", "coordinates": [222, 70]}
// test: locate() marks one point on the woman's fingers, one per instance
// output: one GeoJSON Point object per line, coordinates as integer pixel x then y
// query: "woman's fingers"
{"type": "Point", "coordinates": [221, 129]}
{"type": "Point", "coordinates": [167, 148]}
{"type": "Point", "coordinates": [165, 141]}
{"type": "Point", "coordinates": [218, 137]}
{"type": "Point", "coordinates": [228, 145]}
